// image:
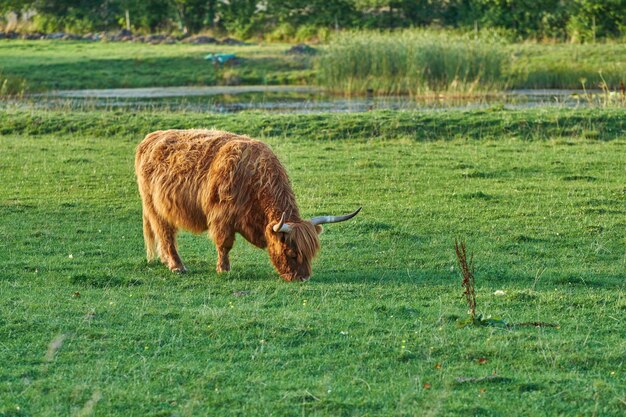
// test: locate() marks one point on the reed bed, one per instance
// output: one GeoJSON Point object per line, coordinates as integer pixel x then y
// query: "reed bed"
{"type": "Point", "coordinates": [414, 63]}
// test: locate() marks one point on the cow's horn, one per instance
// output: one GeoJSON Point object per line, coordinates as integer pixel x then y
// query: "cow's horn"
{"type": "Point", "coordinates": [334, 219]}
{"type": "Point", "coordinates": [281, 226]}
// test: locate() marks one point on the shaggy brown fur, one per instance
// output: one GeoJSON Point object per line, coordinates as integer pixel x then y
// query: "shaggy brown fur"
{"type": "Point", "coordinates": [211, 180]}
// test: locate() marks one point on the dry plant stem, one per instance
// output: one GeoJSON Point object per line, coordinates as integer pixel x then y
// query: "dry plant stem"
{"type": "Point", "coordinates": [467, 273]}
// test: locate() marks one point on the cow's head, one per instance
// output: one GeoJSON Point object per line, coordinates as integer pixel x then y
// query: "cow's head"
{"type": "Point", "coordinates": [293, 245]}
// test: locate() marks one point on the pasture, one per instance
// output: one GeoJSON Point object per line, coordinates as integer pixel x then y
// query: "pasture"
{"type": "Point", "coordinates": [49, 65]}
{"type": "Point", "coordinates": [88, 327]}
{"type": "Point", "coordinates": [413, 62]}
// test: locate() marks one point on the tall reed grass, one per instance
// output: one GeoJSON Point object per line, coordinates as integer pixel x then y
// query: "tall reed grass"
{"type": "Point", "coordinates": [11, 86]}
{"type": "Point", "coordinates": [412, 62]}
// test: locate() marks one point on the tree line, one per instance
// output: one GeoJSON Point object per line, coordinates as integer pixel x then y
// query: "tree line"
{"type": "Point", "coordinates": [581, 20]}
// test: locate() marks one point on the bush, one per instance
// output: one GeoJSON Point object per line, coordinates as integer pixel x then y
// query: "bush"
{"type": "Point", "coordinates": [282, 33]}
{"type": "Point", "coordinates": [49, 24]}
{"type": "Point", "coordinates": [306, 33]}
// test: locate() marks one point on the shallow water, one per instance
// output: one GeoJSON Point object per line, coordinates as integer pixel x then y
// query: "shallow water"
{"type": "Point", "coordinates": [302, 99]}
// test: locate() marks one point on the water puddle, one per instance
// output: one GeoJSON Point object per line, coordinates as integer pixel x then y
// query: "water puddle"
{"type": "Point", "coordinates": [302, 99]}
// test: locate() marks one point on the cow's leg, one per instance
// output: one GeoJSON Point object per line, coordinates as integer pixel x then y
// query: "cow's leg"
{"type": "Point", "coordinates": [169, 250]}
{"type": "Point", "coordinates": [166, 239]}
{"type": "Point", "coordinates": [149, 237]}
{"type": "Point", "coordinates": [224, 239]}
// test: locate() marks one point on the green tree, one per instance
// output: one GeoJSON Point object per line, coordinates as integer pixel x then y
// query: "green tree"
{"type": "Point", "coordinates": [525, 18]}
{"type": "Point", "coordinates": [400, 13]}
{"type": "Point", "coordinates": [323, 13]}
{"type": "Point", "coordinates": [240, 17]}
{"type": "Point", "coordinates": [153, 14]}
{"type": "Point", "coordinates": [15, 6]}
{"type": "Point", "coordinates": [592, 19]}
{"type": "Point", "coordinates": [193, 15]}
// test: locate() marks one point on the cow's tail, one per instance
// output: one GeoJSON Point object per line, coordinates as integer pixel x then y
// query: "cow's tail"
{"type": "Point", "coordinates": [149, 239]}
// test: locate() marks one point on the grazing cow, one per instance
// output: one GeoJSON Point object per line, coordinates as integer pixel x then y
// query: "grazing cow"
{"type": "Point", "coordinates": [211, 180]}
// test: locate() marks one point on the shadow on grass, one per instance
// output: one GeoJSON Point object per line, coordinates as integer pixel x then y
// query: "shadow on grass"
{"type": "Point", "coordinates": [103, 281]}
{"type": "Point", "coordinates": [120, 73]}
{"type": "Point", "coordinates": [489, 279]}
{"type": "Point", "coordinates": [383, 276]}
{"type": "Point", "coordinates": [148, 72]}
{"type": "Point", "coordinates": [201, 272]}
{"type": "Point", "coordinates": [475, 125]}
{"type": "Point", "coordinates": [591, 281]}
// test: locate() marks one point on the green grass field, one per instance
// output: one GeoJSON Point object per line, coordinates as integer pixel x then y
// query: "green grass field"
{"type": "Point", "coordinates": [47, 65]}
{"type": "Point", "coordinates": [88, 327]}
{"type": "Point", "coordinates": [569, 65]}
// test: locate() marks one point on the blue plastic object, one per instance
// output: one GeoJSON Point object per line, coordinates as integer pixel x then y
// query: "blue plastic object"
{"type": "Point", "coordinates": [220, 58]}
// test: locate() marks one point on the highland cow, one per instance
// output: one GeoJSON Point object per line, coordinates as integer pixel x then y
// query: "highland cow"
{"type": "Point", "coordinates": [211, 180]}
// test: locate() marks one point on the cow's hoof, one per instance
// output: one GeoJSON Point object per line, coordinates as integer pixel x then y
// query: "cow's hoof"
{"type": "Point", "coordinates": [223, 268]}
{"type": "Point", "coordinates": [179, 269]}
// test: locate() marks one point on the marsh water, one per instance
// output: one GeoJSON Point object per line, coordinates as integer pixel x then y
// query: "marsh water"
{"type": "Point", "coordinates": [302, 99]}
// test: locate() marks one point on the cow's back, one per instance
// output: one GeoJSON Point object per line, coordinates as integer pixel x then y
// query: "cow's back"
{"type": "Point", "coordinates": [173, 168]}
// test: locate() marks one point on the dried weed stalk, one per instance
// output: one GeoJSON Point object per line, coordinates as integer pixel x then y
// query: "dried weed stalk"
{"type": "Point", "coordinates": [467, 273]}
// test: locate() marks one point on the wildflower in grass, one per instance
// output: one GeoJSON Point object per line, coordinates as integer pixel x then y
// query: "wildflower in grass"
{"type": "Point", "coordinates": [304, 303]}
{"type": "Point", "coordinates": [71, 256]}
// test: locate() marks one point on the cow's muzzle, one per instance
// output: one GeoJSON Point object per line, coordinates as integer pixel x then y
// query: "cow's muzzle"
{"type": "Point", "coordinates": [295, 277]}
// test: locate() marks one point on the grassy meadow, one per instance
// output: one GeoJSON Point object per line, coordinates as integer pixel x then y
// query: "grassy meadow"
{"type": "Point", "coordinates": [87, 327]}
{"type": "Point", "coordinates": [412, 62]}
{"type": "Point", "coordinates": [54, 65]}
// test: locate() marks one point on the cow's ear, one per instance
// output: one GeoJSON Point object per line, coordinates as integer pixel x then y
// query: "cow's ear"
{"type": "Point", "coordinates": [319, 229]}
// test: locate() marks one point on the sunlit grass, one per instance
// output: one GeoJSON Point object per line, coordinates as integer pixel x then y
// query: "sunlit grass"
{"type": "Point", "coordinates": [568, 65]}
{"type": "Point", "coordinates": [49, 65]}
{"type": "Point", "coordinates": [87, 324]}
{"type": "Point", "coordinates": [410, 62]}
